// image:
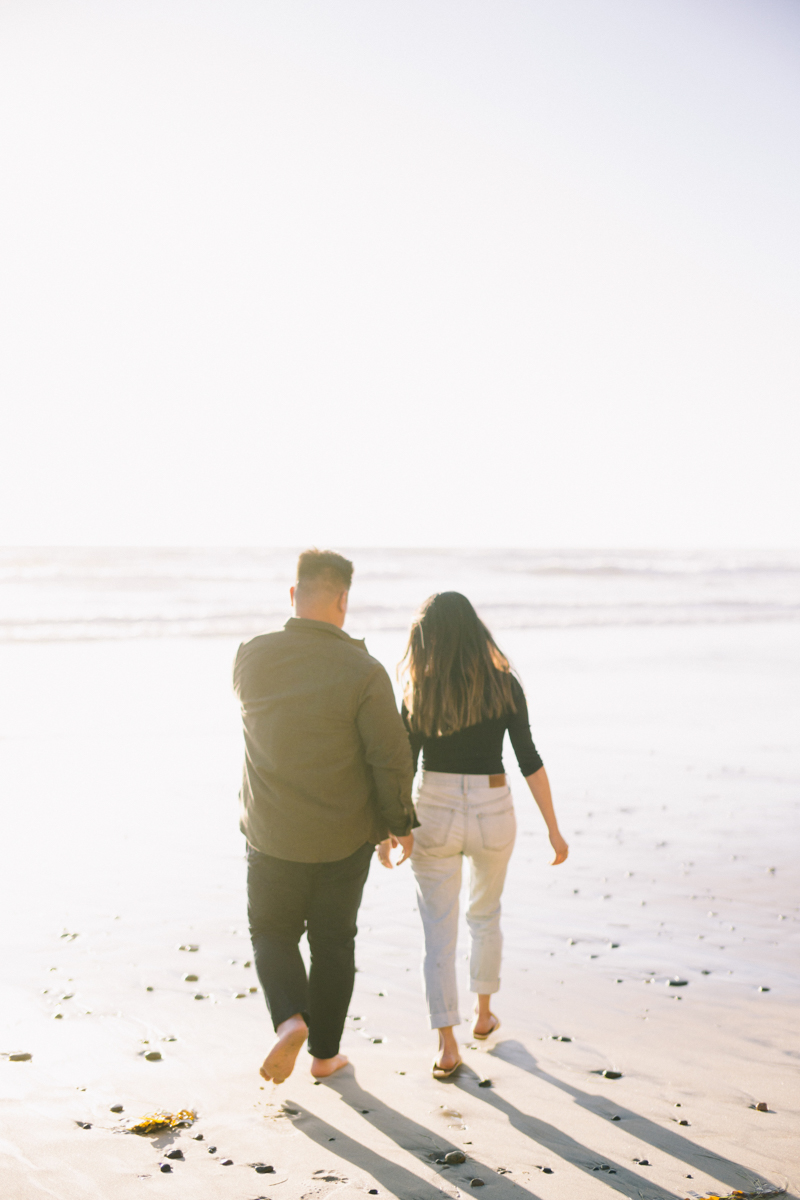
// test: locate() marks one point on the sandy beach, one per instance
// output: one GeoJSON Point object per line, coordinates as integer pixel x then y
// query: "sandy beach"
{"type": "Point", "coordinates": [665, 950]}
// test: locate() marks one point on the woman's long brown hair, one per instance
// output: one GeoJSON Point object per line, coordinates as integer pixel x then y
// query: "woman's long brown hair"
{"type": "Point", "coordinates": [454, 673]}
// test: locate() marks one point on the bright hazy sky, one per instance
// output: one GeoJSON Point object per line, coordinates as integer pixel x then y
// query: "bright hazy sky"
{"type": "Point", "coordinates": [400, 272]}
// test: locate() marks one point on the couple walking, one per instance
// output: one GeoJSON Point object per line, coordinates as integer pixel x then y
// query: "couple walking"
{"type": "Point", "coordinates": [328, 776]}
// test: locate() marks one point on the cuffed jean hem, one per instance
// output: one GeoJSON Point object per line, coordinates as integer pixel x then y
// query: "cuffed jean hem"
{"type": "Point", "coordinates": [482, 988]}
{"type": "Point", "coordinates": [440, 1020]}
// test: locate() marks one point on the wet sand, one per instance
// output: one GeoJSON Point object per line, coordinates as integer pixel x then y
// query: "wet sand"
{"type": "Point", "coordinates": [674, 759]}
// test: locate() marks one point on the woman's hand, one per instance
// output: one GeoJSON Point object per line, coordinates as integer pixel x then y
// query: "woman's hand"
{"type": "Point", "coordinates": [385, 848]}
{"type": "Point", "coordinates": [560, 846]}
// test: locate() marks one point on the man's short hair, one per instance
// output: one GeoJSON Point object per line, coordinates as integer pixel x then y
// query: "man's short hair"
{"type": "Point", "coordinates": [323, 571]}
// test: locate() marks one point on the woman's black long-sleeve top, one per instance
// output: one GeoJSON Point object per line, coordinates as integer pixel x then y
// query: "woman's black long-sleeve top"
{"type": "Point", "coordinates": [478, 749]}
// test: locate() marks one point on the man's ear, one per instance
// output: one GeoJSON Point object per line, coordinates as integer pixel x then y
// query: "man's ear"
{"type": "Point", "coordinates": [291, 595]}
{"type": "Point", "coordinates": [341, 604]}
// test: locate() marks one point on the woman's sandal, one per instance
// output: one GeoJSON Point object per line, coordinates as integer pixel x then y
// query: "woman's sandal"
{"type": "Point", "coordinates": [481, 1037]}
{"type": "Point", "coordinates": [445, 1072]}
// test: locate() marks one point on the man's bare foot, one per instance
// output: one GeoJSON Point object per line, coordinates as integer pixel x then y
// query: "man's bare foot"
{"type": "Point", "coordinates": [279, 1063]}
{"type": "Point", "coordinates": [321, 1068]}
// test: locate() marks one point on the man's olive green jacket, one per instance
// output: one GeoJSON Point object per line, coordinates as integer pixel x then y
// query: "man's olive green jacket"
{"type": "Point", "coordinates": [327, 761]}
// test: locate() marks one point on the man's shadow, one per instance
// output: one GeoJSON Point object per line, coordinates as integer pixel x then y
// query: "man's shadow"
{"type": "Point", "coordinates": [420, 1141]}
{"type": "Point", "coordinates": [734, 1175]}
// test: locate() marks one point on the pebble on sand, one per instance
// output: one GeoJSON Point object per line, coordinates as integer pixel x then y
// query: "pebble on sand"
{"type": "Point", "coordinates": [212, 1149]}
{"type": "Point", "coordinates": [20, 1056]}
{"type": "Point", "coordinates": [677, 983]}
{"type": "Point", "coordinates": [227, 1162]}
{"type": "Point", "coordinates": [188, 946]}
{"type": "Point", "coordinates": [264, 1169]}
{"type": "Point", "coordinates": [610, 1074]}
{"type": "Point", "coordinates": [240, 996]}
{"type": "Point", "coordinates": [153, 1056]}
{"type": "Point", "coordinates": [558, 1037]}
{"type": "Point", "coordinates": [116, 1108]}
{"type": "Point", "coordinates": [84, 1124]}
{"type": "Point", "coordinates": [165, 1167]}
{"type": "Point", "coordinates": [485, 1083]}
{"type": "Point", "coordinates": [763, 989]}
{"type": "Point", "coordinates": [177, 1153]}
{"type": "Point", "coordinates": [191, 978]}
{"type": "Point", "coordinates": [454, 1157]}
{"type": "Point", "coordinates": [198, 1137]}
{"type": "Point", "coordinates": [200, 996]}
{"type": "Point", "coordinates": [762, 1106]}
{"type": "Point", "coordinates": [476, 1183]}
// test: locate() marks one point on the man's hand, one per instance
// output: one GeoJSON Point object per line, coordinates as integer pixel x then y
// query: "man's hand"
{"type": "Point", "coordinates": [560, 846]}
{"type": "Point", "coordinates": [391, 843]}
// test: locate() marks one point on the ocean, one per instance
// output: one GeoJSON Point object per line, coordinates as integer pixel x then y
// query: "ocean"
{"type": "Point", "coordinates": [76, 594]}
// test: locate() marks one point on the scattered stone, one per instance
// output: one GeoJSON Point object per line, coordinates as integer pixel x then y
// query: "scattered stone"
{"type": "Point", "coordinates": [58, 1016]}
{"type": "Point", "coordinates": [677, 983]}
{"type": "Point", "coordinates": [190, 978]}
{"type": "Point", "coordinates": [609, 1074]}
{"type": "Point", "coordinates": [503, 1170]}
{"type": "Point", "coordinates": [240, 996]}
{"type": "Point", "coordinates": [557, 1037]}
{"type": "Point", "coordinates": [547, 1170]}
{"type": "Point", "coordinates": [148, 988]}
{"type": "Point", "coordinates": [762, 1106]}
{"type": "Point", "coordinates": [227, 1162]}
{"type": "Point", "coordinates": [116, 1108]}
{"type": "Point", "coordinates": [153, 1056]}
{"type": "Point", "coordinates": [399, 1072]}
{"type": "Point", "coordinates": [165, 1167]}
{"type": "Point", "coordinates": [198, 1137]}
{"type": "Point", "coordinates": [613, 945]}
{"type": "Point", "coordinates": [454, 1157]}
{"type": "Point", "coordinates": [643, 1162]}
{"type": "Point", "coordinates": [287, 1108]}
{"type": "Point", "coordinates": [373, 1192]}
{"type": "Point", "coordinates": [177, 1153]}
{"type": "Point", "coordinates": [264, 1169]}
{"type": "Point", "coordinates": [485, 1083]}
{"type": "Point", "coordinates": [169, 1039]}
{"type": "Point", "coordinates": [705, 972]}
{"type": "Point", "coordinates": [763, 989]}
{"type": "Point", "coordinates": [84, 1124]}
{"type": "Point", "coordinates": [189, 946]}
{"type": "Point", "coordinates": [476, 1183]}
{"type": "Point", "coordinates": [376, 1041]}
{"type": "Point", "coordinates": [200, 996]}
{"type": "Point", "coordinates": [248, 963]}
{"type": "Point", "coordinates": [253, 989]}
{"type": "Point", "coordinates": [20, 1056]}
{"type": "Point", "coordinates": [212, 1149]}
{"type": "Point", "coordinates": [67, 996]}
{"type": "Point", "coordinates": [616, 1118]}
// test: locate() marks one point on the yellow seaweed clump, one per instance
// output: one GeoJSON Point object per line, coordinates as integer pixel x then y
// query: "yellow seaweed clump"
{"type": "Point", "coordinates": [155, 1122]}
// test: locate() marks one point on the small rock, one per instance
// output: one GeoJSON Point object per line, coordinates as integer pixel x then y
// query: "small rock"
{"type": "Point", "coordinates": [227, 1162]}
{"type": "Point", "coordinates": [762, 1106]}
{"type": "Point", "coordinates": [763, 989]}
{"type": "Point", "coordinates": [20, 1056]}
{"type": "Point", "coordinates": [153, 1056]}
{"type": "Point", "coordinates": [198, 1137]}
{"type": "Point", "coordinates": [376, 1041]}
{"type": "Point", "coordinates": [189, 946]}
{"type": "Point", "coordinates": [611, 1074]}
{"type": "Point", "coordinates": [84, 1124]}
{"type": "Point", "coordinates": [454, 1157]}
{"type": "Point", "coordinates": [165, 1167]}
{"type": "Point", "coordinates": [643, 1162]}
{"type": "Point", "coordinates": [677, 983]}
{"type": "Point", "coordinates": [547, 1170]}
{"type": "Point", "coordinates": [200, 996]}
{"type": "Point", "coordinates": [248, 963]}
{"type": "Point", "coordinates": [683, 1122]}
{"type": "Point", "coordinates": [485, 1083]}
{"type": "Point", "coordinates": [240, 996]}
{"type": "Point", "coordinates": [58, 1016]}
{"type": "Point", "coordinates": [476, 1183]}
{"type": "Point", "coordinates": [116, 1108]}
{"type": "Point", "coordinates": [616, 1118]}
{"type": "Point", "coordinates": [613, 945]}
{"type": "Point", "coordinates": [190, 978]}
{"type": "Point", "coordinates": [373, 1192]}
{"type": "Point", "coordinates": [148, 988]}
{"type": "Point", "coordinates": [253, 989]}
{"type": "Point", "coordinates": [557, 1037]}
{"type": "Point", "coordinates": [264, 1169]}
{"type": "Point", "coordinates": [212, 1149]}
{"type": "Point", "coordinates": [177, 1153]}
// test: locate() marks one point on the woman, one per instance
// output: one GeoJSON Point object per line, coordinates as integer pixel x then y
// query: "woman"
{"type": "Point", "coordinates": [460, 698]}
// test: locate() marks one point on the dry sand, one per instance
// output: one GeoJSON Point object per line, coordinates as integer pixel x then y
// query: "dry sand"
{"type": "Point", "coordinates": [673, 753]}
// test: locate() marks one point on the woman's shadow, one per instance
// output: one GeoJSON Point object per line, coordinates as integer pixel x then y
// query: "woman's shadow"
{"type": "Point", "coordinates": [678, 1146]}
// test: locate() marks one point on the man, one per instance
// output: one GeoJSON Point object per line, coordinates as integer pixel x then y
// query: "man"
{"type": "Point", "coordinates": [327, 775]}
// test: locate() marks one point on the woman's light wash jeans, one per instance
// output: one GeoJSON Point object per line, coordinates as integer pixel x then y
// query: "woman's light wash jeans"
{"type": "Point", "coordinates": [460, 816]}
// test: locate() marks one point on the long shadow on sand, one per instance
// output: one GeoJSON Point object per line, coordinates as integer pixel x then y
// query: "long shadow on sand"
{"type": "Point", "coordinates": [734, 1175]}
{"type": "Point", "coordinates": [415, 1139]}
{"type": "Point", "coordinates": [419, 1140]}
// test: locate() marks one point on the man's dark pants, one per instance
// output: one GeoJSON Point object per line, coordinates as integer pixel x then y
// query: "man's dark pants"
{"type": "Point", "coordinates": [286, 899]}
